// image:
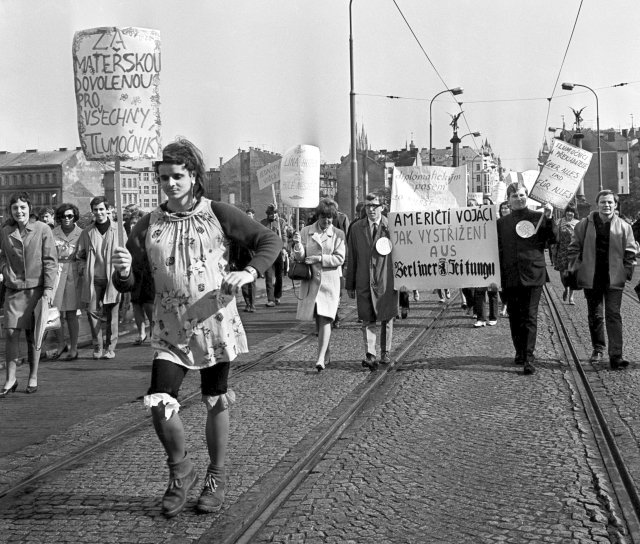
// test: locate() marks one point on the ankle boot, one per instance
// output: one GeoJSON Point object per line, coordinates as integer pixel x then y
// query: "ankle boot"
{"type": "Point", "coordinates": [182, 477]}
{"type": "Point", "coordinates": [212, 495]}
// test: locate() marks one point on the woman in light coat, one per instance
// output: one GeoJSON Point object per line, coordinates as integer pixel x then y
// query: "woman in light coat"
{"type": "Point", "coordinates": [67, 296]}
{"type": "Point", "coordinates": [28, 264]}
{"type": "Point", "coordinates": [323, 247]}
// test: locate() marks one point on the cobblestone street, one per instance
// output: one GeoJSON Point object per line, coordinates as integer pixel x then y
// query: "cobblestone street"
{"type": "Point", "coordinates": [456, 445]}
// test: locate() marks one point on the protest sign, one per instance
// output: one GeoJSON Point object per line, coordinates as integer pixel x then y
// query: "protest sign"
{"type": "Point", "coordinates": [448, 248]}
{"type": "Point", "coordinates": [269, 174]}
{"type": "Point", "coordinates": [428, 187]}
{"type": "Point", "coordinates": [300, 177]}
{"type": "Point", "coordinates": [116, 86]}
{"type": "Point", "coordinates": [560, 176]}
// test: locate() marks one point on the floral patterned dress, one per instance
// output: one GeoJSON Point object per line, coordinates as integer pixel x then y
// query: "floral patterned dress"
{"type": "Point", "coordinates": [194, 324]}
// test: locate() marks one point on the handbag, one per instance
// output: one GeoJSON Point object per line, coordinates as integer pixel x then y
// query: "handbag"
{"type": "Point", "coordinates": [53, 319]}
{"type": "Point", "coordinates": [299, 271]}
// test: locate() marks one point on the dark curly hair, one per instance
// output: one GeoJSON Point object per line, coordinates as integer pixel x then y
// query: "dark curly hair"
{"type": "Point", "coordinates": [63, 208]}
{"type": "Point", "coordinates": [183, 152]}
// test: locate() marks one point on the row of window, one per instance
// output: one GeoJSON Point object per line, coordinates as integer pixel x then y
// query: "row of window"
{"type": "Point", "coordinates": [29, 179]}
{"type": "Point", "coordinates": [39, 198]}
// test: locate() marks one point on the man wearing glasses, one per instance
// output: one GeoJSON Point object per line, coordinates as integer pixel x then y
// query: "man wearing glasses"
{"type": "Point", "coordinates": [369, 279]}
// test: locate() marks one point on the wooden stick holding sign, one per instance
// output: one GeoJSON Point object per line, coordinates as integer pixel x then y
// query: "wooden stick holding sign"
{"type": "Point", "coordinates": [118, 202]}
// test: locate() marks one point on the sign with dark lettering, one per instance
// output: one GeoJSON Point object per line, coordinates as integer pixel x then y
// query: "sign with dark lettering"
{"type": "Point", "coordinates": [428, 187]}
{"type": "Point", "coordinates": [269, 174]}
{"type": "Point", "coordinates": [445, 249]}
{"type": "Point", "coordinates": [560, 176]}
{"type": "Point", "coordinates": [116, 84]}
{"type": "Point", "coordinates": [300, 176]}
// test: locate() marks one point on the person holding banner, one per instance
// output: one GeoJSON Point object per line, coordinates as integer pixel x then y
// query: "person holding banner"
{"type": "Point", "coordinates": [369, 279]}
{"type": "Point", "coordinates": [322, 246]}
{"type": "Point", "coordinates": [503, 210]}
{"type": "Point", "coordinates": [522, 238]}
{"type": "Point", "coordinates": [184, 246]}
{"type": "Point", "coordinates": [603, 252]}
{"type": "Point", "coordinates": [29, 267]}
{"type": "Point", "coordinates": [95, 253]}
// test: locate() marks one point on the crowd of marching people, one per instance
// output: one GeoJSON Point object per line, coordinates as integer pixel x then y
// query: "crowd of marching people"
{"type": "Point", "coordinates": [181, 266]}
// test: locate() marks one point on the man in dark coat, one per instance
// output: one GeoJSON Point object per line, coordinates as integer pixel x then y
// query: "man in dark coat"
{"type": "Point", "coordinates": [369, 275]}
{"type": "Point", "coordinates": [522, 238]}
{"type": "Point", "coordinates": [273, 276]}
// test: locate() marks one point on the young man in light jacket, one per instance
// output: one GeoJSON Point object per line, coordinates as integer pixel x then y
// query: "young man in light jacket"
{"type": "Point", "coordinates": [603, 252]}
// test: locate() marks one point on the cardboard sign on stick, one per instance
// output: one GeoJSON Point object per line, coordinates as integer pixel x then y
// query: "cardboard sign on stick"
{"type": "Point", "coordinates": [300, 177]}
{"type": "Point", "coordinates": [560, 176]}
{"type": "Point", "coordinates": [269, 174]}
{"type": "Point", "coordinates": [116, 85]}
{"type": "Point", "coordinates": [438, 249]}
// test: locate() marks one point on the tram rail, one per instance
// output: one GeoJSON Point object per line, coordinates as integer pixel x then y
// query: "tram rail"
{"type": "Point", "coordinates": [244, 525]}
{"type": "Point", "coordinates": [624, 486]}
{"type": "Point", "coordinates": [144, 422]}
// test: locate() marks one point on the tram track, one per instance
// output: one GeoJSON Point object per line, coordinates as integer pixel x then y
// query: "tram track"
{"type": "Point", "coordinates": [624, 486]}
{"type": "Point", "coordinates": [144, 422]}
{"type": "Point", "coordinates": [243, 521]}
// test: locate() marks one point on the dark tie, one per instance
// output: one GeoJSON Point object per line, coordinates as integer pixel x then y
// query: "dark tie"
{"type": "Point", "coordinates": [375, 231]}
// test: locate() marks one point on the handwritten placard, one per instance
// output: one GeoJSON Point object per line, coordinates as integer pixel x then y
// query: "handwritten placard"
{"type": "Point", "coordinates": [448, 248]}
{"type": "Point", "coordinates": [300, 177]}
{"type": "Point", "coordinates": [116, 85]}
{"type": "Point", "coordinates": [428, 187]}
{"type": "Point", "coordinates": [560, 176]}
{"type": "Point", "coordinates": [269, 174]}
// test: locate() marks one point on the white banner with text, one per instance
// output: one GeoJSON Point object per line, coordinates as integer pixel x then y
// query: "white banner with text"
{"type": "Point", "coordinates": [445, 249]}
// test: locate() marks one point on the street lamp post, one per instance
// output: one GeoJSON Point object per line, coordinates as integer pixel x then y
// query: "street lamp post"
{"type": "Point", "coordinates": [455, 91]}
{"type": "Point", "coordinates": [352, 108]}
{"type": "Point", "coordinates": [569, 87]}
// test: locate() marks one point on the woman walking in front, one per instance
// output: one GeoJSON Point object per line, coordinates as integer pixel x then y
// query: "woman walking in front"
{"type": "Point", "coordinates": [182, 247]}
{"type": "Point", "coordinates": [29, 266]}
{"type": "Point", "coordinates": [323, 247]}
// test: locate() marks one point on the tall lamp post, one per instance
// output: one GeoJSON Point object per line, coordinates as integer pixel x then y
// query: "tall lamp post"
{"type": "Point", "coordinates": [455, 91]}
{"type": "Point", "coordinates": [352, 99]}
{"type": "Point", "coordinates": [569, 87]}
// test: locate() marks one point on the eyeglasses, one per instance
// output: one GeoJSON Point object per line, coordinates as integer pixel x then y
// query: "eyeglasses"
{"type": "Point", "coordinates": [372, 206]}
{"type": "Point", "coordinates": [68, 216]}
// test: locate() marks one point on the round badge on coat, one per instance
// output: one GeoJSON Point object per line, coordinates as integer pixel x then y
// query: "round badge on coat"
{"type": "Point", "coordinates": [383, 246]}
{"type": "Point", "coordinates": [525, 229]}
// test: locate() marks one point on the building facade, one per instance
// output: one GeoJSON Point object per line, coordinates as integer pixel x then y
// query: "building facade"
{"type": "Point", "coordinates": [50, 178]}
{"type": "Point", "coordinates": [239, 182]}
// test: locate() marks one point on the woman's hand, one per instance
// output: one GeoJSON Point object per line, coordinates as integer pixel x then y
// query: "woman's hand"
{"type": "Point", "coordinates": [47, 294]}
{"type": "Point", "coordinates": [313, 259]}
{"type": "Point", "coordinates": [121, 261]}
{"type": "Point", "coordinates": [234, 281]}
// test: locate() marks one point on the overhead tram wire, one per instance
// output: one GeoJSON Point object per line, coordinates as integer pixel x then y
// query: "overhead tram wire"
{"type": "Point", "coordinates": [475, 145]}
{"type": "Point", "coordinates": [496, 100]}
{"type": "Point", "coordinates": [555, 84]}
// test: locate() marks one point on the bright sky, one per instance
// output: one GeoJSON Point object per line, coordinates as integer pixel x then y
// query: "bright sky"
{"type": "Point", "coordinates": [275, 73]}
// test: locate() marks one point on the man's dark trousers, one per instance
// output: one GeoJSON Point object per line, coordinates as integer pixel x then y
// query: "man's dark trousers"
{"type": "Point", "coordinates": [523, 319]}
{"type": "Point", "coordinates": [611, 299]}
